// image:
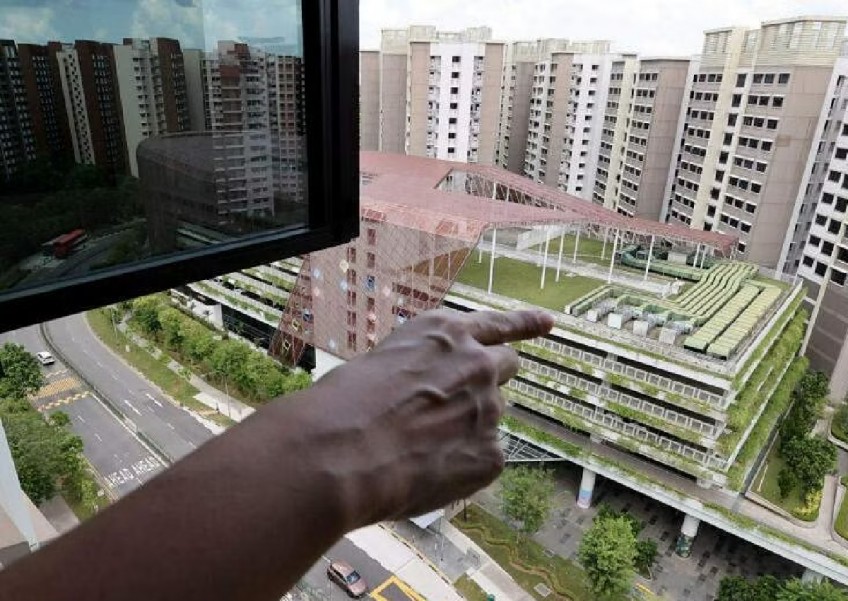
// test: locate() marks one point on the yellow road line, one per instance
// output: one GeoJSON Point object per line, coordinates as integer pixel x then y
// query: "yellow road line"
{"type": "Point", "coordinates": [64, 401]}
{"type": "Point", "coordinates": [404, 587]}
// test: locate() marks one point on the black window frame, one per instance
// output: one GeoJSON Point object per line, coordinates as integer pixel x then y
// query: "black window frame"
{"type": "Point", "coordinates": [331, 58]}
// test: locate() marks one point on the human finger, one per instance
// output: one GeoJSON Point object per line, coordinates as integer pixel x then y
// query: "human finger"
{"type": "Point", "coordinates": [506, 362]}
{"type": "Point", "coordinates": [493, 327]}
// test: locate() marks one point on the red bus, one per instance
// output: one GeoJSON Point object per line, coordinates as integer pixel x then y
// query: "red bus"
{"type": "Point", "coordinates": [67, 243]}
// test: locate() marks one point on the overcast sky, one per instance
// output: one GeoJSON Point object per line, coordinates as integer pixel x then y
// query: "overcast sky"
{"type": "Point", "coordinates": [649, 27]}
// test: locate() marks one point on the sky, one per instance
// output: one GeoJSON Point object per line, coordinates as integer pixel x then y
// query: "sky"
{"type": "Point", "coordinates": [648, 27]}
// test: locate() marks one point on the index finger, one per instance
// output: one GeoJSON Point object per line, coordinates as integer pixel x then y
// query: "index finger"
{"type": "Point", "coordinates": [493, 327]}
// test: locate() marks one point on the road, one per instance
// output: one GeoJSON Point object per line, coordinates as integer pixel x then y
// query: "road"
{"type": "Point", "coordinates": [346, 551]}
{"type": "Point", "coordinates": [173, 429]}
{"type": "Point", "coordinates": [115, 453]}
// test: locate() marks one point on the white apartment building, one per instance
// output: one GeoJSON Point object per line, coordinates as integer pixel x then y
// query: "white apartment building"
{"type": "Point", "coordinates": [641, 132]}
{"type": "Point", "coordinates": [152, 84]}
{"type": "Point", "coordinates": [567, 104]}
{"type": "Point", "coordinates": [820, 240]}
{"type": "Point", "coordinates": [435, 94]}
{"type": "Point", "coordinates": [749, 128]}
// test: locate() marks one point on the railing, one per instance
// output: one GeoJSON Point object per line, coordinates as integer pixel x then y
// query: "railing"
{"type": "Point", "coordinates": [606, 392]}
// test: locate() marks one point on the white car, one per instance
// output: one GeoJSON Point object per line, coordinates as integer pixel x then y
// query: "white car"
{"type": "Point", "coordinates": [45, 358]}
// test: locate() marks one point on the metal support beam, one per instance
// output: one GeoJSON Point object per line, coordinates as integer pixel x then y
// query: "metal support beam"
{"type": "Point", "coordinates": [576, 244]}
{"type": "Point", "coordinates": [545, 258]}
{"type": "Point", "coordinates": [604, 248]}
{"type": "Point", "coordinates": [612, 258]}
{"type": "Point", "coordinates": [492, 259]}
{"type": "Point", "coordinates": [650, 256]}
{"type": "Point", "coordinates": [559, 259]}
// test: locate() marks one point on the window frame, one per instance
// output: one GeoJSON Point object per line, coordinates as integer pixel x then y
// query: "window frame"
{"type": "Point", "coordinates": [331, 55]}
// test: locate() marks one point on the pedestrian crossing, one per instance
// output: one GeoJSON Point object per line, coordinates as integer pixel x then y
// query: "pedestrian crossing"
{"type": "Point", "coordinates": [57, 387]}
{"type": "Point", "coordinates": [65, 401]}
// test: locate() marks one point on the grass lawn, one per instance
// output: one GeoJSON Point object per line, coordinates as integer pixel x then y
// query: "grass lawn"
{"type": "Point", "coordinates": [589, 249]}
{"type": "Point", "coordinates": [527, 562]}
{"type": "Point", "coordinates": [768, 489]}
{"type": "Point", "coordinates": [520, 280]}
{"type": "Point", "coordinates": [470, 589]}
{"type": "Point", "coordinates": [82, 510]}
{"type": "Point", "coordinates": [841, 523]}
{"type": "Point", "coordinates": [153, 369]}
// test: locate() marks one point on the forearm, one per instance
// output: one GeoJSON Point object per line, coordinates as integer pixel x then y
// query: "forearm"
{"type": "Point", "coordinates": [242, 519]}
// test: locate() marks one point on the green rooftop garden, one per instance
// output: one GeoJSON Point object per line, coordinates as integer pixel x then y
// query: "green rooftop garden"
{"type": "Point", "coordinates": [520, 280]}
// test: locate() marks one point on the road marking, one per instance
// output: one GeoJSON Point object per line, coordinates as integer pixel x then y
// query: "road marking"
{"type": "Point", "coordinates": [404, 588]}
{"type": "Point", "coordinates": [114, 377]}
{"type": "Point", "coordinates": [56, 387]}
{"type": "Point", "coordinates": [131, 406]}
{"type": "Point", "coordinates": [152, 398]}
{"type": "Point", "coordinates": [193, 446]}
{"type": "Point", "coordinates": [99, 364]}
{"type": "Point", "coordinates": [97, 436]}
{"type": "Point", "coordinates": [64, 401]}
{"type": "Point", "coordinates": [171, 426]}
{"type": "Point", "coordinates": [79, 417]}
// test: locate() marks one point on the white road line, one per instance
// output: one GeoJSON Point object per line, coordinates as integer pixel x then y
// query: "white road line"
{"type": "Point", "coordinates": [114, 377]}
{"type": "Point", "coordinates": [193, 446]}
{"type": "Point", "coordinates": [99, 364]}
{"type": "Point", "coordinates": [171, 426]}
{"type": "Point", "coordinates": [150, 396]}
{"type": "Point", "coordinates": [97, 436]}
{"type": "Point", "coordinates": [131, 406]}
{"type": "Point", "coordinates": [79, 417]}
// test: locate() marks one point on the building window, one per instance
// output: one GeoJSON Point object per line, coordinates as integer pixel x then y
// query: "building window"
{"type": "Point", "coordinates": [833, 226]}
{"type": "Point", "coordinates": [351, 255]}
{"type": "Point", "coordinates": [372, 236]}
{"type": "Point", "coordinates": [841, 204]}
{"type": "Point", "coordinates": [351, 340]}
{"type": "Point", "coordinates": [777, 101]}
{"type": "Point", "coordinates": [728, 139]}
{"type": "Point", "coordinates": [842, 254]}
{"type": "Point", "coordinates": [783, 78]}
{"type": "Point", "coordinates": [351, 319]}
{"type": "Point", "coordinates": [731, 119]}
{"type": "Point", "coordinates": [808, 261]}
{"type": "Point", "coordinates": [737, 100]}
{"type": "Point", "coordinates": [371, 260]}
{"type": "Point", "coordinates": [837, 277]}
{"type": "Point", "coordinates": [454, 105]}
{"type": "Point", "coordinates": [740, 80]}
{"type": "Point", "coordinates": [371, 304]}
{"type": "Point", "coordinates": [821, 268]}
{"type": "Point", "coordinates": [370, 283]}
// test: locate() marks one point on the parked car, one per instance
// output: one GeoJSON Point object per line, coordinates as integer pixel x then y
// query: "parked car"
{"type": "Point", "coordinates": [45, 358]}
{"type": "Point", "coordinates": [347, 578]}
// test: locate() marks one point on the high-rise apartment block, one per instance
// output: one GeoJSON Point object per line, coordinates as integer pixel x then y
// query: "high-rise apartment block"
{"type": "Point", "coordinates": [749, 128]}
{"type": "Point", "coordinates": [17, 143]}
{"type": "Point", "coordinates": [439, 93]}
{"type": "Point", "coordinates": [567, 103]}
{"type": "Point", "coordinates": [92, 101]}
{"type": "Point", "coordinates": [821, 239]}
{"type": "Point", "coordinates": [639, 133]}
{"type": "Point", "coordinates": [152, 84]}
{"type": "Point", "coordinates": [520, 59]}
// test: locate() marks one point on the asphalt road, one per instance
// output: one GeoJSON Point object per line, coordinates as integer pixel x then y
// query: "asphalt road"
{"type": "Point", "coordinates": [171, 428]}
{"type": "Point", "coordinates": [117, 455]}
{"type": "Point", "coordinates": [346, 551]}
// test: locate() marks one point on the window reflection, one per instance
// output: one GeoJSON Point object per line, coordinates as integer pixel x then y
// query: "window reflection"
{"type": "Point", "coordinates": [149, 135]}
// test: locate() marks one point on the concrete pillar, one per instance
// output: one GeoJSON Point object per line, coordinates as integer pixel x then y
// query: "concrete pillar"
{"type": "Point", "coordinates": [650, 256]}
{"type": "Point", "coordinates": [545, 258]}
{"type": "Point", "coordinates": [612, 258]}
{"type": "Point", "coordinates": [688, 532]}
{"type": "Point", "coordinates": [587, 487]}
{"type": "Point", "coordinates": [492, 259]}
{"type": "Point", "coordinates": [811, 576]}
{"type": "Point", "coordinates": [697, 252]}
{"type": "Point", "coordinates": [576, 244]}
{"type": "Point", "coordinates": [559, 259]}
{"type": "Point", "coordinates": [703, 256]}
{"type": "Point", "coordinates": [604, 247]}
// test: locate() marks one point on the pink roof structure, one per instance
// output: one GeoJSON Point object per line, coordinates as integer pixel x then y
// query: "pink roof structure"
{"type": "Point", "coordinates": [420, 220]}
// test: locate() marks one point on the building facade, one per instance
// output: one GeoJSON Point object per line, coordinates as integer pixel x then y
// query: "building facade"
{"type": "Point", "coordinates": [17, 140]}
{"type": "Point", "coordinates": [92, 101]}
{"type": "Point", "coordinates": [820, 258]}
{"type": "Point", "coordinates": [749, 129]}
{"type": "Point", "coordinates": [640, 133]}
{"type": "Point", "coordinates": [152, 85]}
{"type": "Point", "coordinates": [435, 94]}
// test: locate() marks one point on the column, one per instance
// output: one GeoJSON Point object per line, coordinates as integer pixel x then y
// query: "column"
{"type": "Point", "coordinates": [703, 256]}
{"type": "Point", "coordinates": [688, 531]}
{"type": "Point", "coordinates": [492, 259]}
{"type": "Point", "coordinates": [545, 258]}
{"type": "Point", "coordinates": [697, 252]}
{"type": "Point", "coordinates": [612, 258]}
{"type": "Point", "coordinates": [650, 256]}
{"type": "Point", "coordinates": [559, 259]}
{"type": "Point", "coordinates": [576, 244]}
{"type": "Point", "coordinates": [811, 576]}
{"type": "Point", "coordinates": [587, 487]}
{"type": "Point", "coordinates": [604, 248]}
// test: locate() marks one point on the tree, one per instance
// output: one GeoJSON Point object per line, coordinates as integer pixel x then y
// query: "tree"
{"type": "Point", "coordinates": [810, 397]}
{"type": "Point", "coordinates": [795, 590]}
{"type": "Point", "coordinates": [814, 386]}
{"type": "Point", "coordinates": [526, 496]}
{"type": "Point", "coordinates": [786, 481]}
{"type": "Point", "coordinates": [734, 588]}
{"type": "Point", "coordinates": [46, 454]}
{"type": "Point", "coordinates": [146, 313]}
{"type": "Point", "coordinates": [607, 552]}
{"type": "Point", "coordinates": [810, 459]}
{"type": "Point", "coordinates": [646, 555]}
{"type": "Point", "coordinates": [20, 373]}
{"type": "Point", "coordinates": [171, 321]}
{"type": "Point", "coordinates": [605, 511]}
